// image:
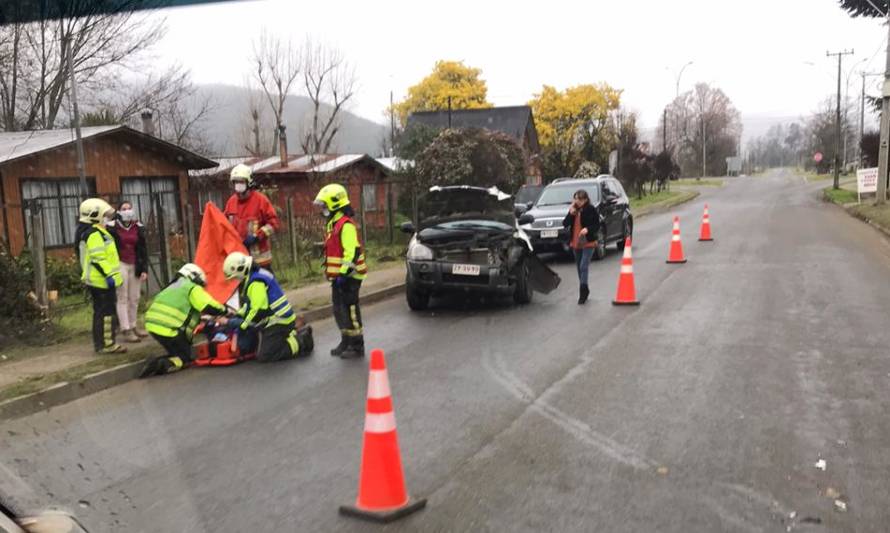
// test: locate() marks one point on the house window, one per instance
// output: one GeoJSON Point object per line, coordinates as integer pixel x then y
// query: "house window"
{"type": "Point", "coordinates": [59, 200]}
{"type": "Point", "coordinates": [141, 192]}
{"type": "Point", "coordinates": [369, 196]}
{"type": "Point", "coordinates": [215, 196]}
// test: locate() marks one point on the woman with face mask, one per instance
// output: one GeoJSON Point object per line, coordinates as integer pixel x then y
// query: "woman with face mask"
{"type": "Point", "coordinates": [129, 234]}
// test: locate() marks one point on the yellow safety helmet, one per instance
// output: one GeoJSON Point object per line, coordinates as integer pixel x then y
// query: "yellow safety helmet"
{"type": "Point", "coordinates": [242, 172]}
{"type": "Point", "coordinates": [194, 273]}
{"type": "Point", "coordinates": [237, 265]}
{"type": "Point", "coordinates": [94, 210]}
{"type": "Point", "coordinates": [333, 196]}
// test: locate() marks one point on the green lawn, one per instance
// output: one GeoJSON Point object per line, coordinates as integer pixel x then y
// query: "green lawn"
{"type": "Point", "coordinates": [839, 196]}
{"type": "Point", "coordinates": [657, 198]}
{"type": "Point", "coordinates": [703, 182]}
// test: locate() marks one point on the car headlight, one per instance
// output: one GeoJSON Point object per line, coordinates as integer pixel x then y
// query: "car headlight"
{"type": "Point", "coordinates": [419, 252]}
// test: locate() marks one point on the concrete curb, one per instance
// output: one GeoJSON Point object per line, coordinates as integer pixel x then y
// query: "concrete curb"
{"type": "Point", "coordinates": [65, 392]}
{"type": "Point", "coordinates": [661, 208]}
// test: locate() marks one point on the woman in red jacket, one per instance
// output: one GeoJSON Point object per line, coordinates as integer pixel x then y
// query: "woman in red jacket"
{"type": "Point", "coordinates": [129, 235]}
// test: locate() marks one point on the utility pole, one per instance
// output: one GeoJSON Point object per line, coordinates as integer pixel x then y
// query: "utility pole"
{"type": "Point", "coordinates": [78, 140]}
{"type": "Point", "coordinates": [885, 126]}
{"type": "Point", "coordinates": [704, 144]}
{"type": "Point", "coordinates": [449, 112]}
{"type": "Point", "coordinates": [392, 128]}
{"type": "Point", "coordinates": [862, 113]}
{"type": "Point", "coordinates": [664, 131]}
{"type": "Point", "coordinates": [837, 126]}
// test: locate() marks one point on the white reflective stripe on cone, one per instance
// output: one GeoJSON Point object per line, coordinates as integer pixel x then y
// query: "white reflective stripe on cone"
{"type": "Point", "coordinates": [378, 385]}
{"type": "Point", "coordinates": [675, 238]}
{"type": "Point", "coordinates": [380, 423]}
{"type": "Point", "coordinates": [627, 269]}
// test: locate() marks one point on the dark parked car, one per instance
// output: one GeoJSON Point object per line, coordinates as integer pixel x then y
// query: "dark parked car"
{"type": "Point", "coordinates": [467, 239]}
{"type": "Point", "coordinates": [606, 193]}
{"type": "Point", "coordinates": [526, 197]}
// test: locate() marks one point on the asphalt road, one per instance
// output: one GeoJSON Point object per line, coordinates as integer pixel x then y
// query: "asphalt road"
{"type": "Point", "coordinates": [704, 409]}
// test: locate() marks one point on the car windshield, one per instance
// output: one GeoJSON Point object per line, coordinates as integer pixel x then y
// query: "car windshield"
{"type": "Point", "coordinates": [562, 194]}
{"type": "Point", "coordinates": [239, 239]}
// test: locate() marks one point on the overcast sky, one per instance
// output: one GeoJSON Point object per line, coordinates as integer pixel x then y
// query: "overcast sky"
{"type": "Point", "coordinates": [767, 55]}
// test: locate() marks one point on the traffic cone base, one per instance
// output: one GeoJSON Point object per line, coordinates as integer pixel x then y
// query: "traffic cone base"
{"type": "Point", "coordinates": [616, 302]}
{"type": "Point", "coordinates": [382, 496]}
{"type": "Point", "coordinates": [705, 240]}
{"type": "Point", "coordinates": [675, 262]}
{"type": "Point", "coordinates": [383, 517]}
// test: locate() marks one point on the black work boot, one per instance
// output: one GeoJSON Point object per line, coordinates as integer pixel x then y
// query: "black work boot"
{"type": "Point", "coordinates": [355, 348]}
{"type": "Point", "coordinates": [583, 294]}
{"type": "Point", "coordinates": [150, 368]}
{"type": "Point", "coordinates": [338, 351]}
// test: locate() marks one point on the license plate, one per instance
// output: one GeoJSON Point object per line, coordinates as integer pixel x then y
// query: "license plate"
{"type": "Point", "coordinates": [549, 233]}
{"type": "Point", "coordinates": [465, 270]}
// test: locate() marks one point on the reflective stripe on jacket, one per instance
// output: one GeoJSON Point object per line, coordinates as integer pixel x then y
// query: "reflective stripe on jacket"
{"type": "Point", "coordinates": [344, 253]}
{"type": "Point", "coordinates": [174, 308]}
{"type": "Point", "coordinates": [264, 301]}
{"type": "Point", "coordinates": [97, 252]}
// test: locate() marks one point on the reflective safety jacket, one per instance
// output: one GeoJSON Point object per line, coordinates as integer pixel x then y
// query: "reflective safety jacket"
{"type": "Point", "coordinates": [174, 308]}
{"type": "Point", "coordinates": [344, 254]}
{"type": "Point", "coordinates": [97, 253]}
{"type": "Point", "coordinates": [254, 215]}
{"type": "Point", "coordinates": [264, 301]}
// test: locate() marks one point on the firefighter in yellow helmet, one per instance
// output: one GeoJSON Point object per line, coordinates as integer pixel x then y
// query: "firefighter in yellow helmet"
{"type": "Point", "coordinates": [100, 271]}
{"type": "Point", "coordinates": [344, 267]}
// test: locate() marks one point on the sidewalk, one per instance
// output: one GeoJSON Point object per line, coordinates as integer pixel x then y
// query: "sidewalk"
{"type": "Point", "coordinates": [62, 357]}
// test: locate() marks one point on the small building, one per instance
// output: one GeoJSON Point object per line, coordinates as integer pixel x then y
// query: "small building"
{"type": "Point", "coordinates": [120, 163]}
{"type": "Point", "coordinates": [515, 121]}
{"type": "Point", "coordinates": [297, 179]}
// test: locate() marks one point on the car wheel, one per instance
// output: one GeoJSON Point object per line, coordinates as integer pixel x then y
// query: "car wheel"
{"type": "Point", "coordinates": [628, 232]}
{"type": "Point", "coordinates": [523, 293]}
{"type": "Point", "coordinates": [600, 251]}
{"type": "Point", "coordinates": [418, 300]}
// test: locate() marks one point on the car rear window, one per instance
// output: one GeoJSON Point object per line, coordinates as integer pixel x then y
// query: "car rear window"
{"type": "Point", "coordinates": [562, 194]}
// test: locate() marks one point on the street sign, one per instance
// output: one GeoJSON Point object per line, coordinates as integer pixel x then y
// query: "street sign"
{"type": "Point", "coordinates": [817, 157]}
{"type": "Point", "coordinates": [866, 181]}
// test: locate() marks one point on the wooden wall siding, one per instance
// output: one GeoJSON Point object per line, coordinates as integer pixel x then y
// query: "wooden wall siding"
{"type": "Point", "coordinates": [107, 159]}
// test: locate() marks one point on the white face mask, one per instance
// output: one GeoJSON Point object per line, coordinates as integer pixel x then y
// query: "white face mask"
{"type": "Point", "coordinates": [240, 187]}
{"type": "Point", "coordinates": [128, 215]}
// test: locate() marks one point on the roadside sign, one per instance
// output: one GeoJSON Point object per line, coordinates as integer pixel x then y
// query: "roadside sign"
{"type": "Point", "coordinates": [866, 181]}
{"type": "Point", "coordinates": [817, 157]}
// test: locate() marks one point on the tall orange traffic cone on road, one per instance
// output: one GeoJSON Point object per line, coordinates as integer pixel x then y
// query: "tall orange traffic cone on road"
{"type": "Point", "coordinates": [705, 226]}
{"type": "Point", "coordinates": [627, 293]}
{"type": "Point", "coordinates": [676, 254]}
{"type": "Point", "coordinates": [381, 485]}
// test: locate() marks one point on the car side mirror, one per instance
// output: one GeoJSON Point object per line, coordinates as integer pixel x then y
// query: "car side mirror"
{"type": "Point", "coordinates": [408, 227]}
{"type": "Point", "coordinates": [526, 218]}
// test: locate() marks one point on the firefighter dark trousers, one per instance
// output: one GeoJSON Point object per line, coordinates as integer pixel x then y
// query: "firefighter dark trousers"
{"type": "Point", "coordinates": [179, 346]}
{"type": "Point", "coordinates": [104, 317]}
{"type": "Point", "coordinates": [347, 312]}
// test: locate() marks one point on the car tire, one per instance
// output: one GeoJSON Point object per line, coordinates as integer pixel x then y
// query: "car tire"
{"type": "Point", "coordinates": [523, 293]}
{"type": "Point", "coordinates": [628, 232]}
{"type": "Point", "coordinates": [600, 251]}
{"type": "Point", "coordinates": [418, 300]}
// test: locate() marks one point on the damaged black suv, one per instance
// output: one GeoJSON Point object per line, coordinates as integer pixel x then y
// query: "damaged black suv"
{"type": "Point", "coordinates": [467, 240]}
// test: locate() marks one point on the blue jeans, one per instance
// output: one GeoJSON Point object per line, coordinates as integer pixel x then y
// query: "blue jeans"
{"type": "Point", "coordinates": [582, 262]}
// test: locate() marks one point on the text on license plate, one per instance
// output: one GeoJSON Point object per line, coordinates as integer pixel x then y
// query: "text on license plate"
{"type": "Point", "coordinates": [549, 233]}
{"type": "Point", "coordinates": [465, 270]}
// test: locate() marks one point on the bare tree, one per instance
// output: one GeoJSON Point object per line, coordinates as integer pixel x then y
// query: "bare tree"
{"type": "Point", "coordinates": [34, 56]}
{"type": "Point", "coordinates": [330, 83]}
{"type": "Point", "coordinates": [277, 65]}
{"type": "Point", "coordinates": [255, 129]}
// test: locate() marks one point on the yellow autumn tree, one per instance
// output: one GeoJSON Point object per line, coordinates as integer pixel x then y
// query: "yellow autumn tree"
{"type": "Point", "coordinates": [573, 126]}
{"type": "Point", "coordinates": [448, 79]}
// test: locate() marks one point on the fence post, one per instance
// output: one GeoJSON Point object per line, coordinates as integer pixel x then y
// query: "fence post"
{"type": "Point", "coordinates": [38, 253]}
{"type": "Point", "coordinates": [166, 267]}
{"type": "Point", "coordinates": [361, 207]}
{"type": "Point", "coordinates": [389, 217]}
{"type": "Point", "coordinates": [292, 231]}
{"type": "Point", "coordinates": [190, 231]}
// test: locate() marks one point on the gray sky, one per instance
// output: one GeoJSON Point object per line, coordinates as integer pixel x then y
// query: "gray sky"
{"type": "Point", "coordinates": [755, 50]}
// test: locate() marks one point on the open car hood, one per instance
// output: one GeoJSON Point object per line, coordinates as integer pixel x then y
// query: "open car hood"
{"type": "Point", "coordinates": [450, 204]}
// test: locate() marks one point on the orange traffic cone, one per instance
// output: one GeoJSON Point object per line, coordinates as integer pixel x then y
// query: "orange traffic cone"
{"type": "Point", "coordinates": [705, 226]}
{"type": "Point", "coordinates": [676, 255]}
{"type": "Point", "coordinates": [627, 293]}
{"type": "Point", "coordinates": [381, 485]}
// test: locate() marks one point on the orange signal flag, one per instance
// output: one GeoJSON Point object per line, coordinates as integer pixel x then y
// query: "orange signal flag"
{"type": "Point", "coordinates": [218, 238]}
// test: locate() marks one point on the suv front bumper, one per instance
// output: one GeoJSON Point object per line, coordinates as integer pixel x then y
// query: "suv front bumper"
{"type": "Point", "coordinates": [437, 276]}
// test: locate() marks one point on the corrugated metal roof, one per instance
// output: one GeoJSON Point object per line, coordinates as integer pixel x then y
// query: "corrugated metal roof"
{"type": "Point", "coordinates": [225, 163]}
{"type": "Point", "coordinates": [337, 163]}
{"type": "Point", "coordinates": [16, 144]}
{"type": "Point", "coordinates": [395, 164]}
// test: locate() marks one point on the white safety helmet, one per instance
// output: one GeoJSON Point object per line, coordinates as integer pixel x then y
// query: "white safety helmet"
{"type": "Point", "coordinates": [237, 265]}
{"type": "Point", "coordinates": [94, 210]}
{"type": "Point", "coordinates": [193, 273]}
{"type": "Point", "coordinates": [241, 173]}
